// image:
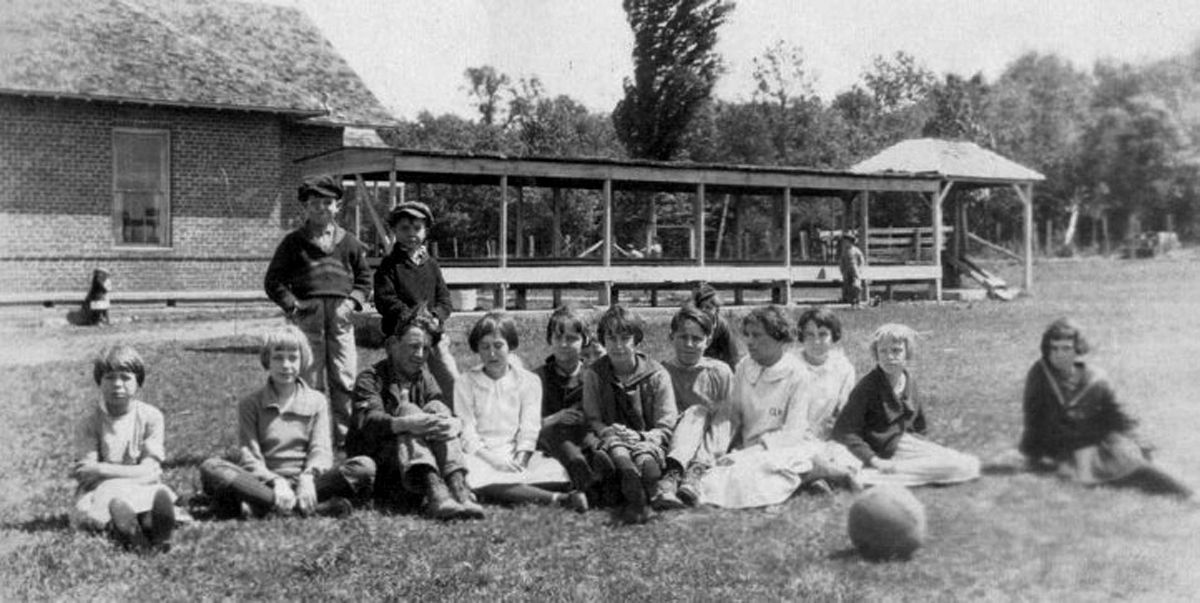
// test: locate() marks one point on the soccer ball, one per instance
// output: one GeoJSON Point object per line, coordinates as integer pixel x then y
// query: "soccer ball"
{"type": "Point", "coordinates": [886, 522]}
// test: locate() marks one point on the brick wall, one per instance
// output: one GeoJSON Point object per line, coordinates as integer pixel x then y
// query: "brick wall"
{"type": "Point", "coordinates": [233, 194]}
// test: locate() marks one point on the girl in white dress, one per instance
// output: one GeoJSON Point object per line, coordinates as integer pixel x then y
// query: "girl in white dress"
{"type": "Point", "coordinates": [828, 379]}
{"type": "Point", "coordinates": [770, 418]}
{"type": "Point", "coordinates": [500, 404]}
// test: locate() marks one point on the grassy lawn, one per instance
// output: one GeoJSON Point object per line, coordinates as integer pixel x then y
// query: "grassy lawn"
{"type": "Point", "coordinates": [1008, 536]}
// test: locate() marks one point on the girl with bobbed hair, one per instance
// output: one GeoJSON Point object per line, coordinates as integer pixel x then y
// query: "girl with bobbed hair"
{"type": "Point", "coordinates": [778, 450]}
{"type": "Point", "coordinates": [1074, 424]}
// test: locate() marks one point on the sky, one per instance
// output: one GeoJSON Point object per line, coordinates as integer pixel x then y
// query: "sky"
{"type": "Point", "coordinates": [412, 53]}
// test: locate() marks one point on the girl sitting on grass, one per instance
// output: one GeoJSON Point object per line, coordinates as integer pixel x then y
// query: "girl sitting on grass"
{"type": "Point", "coordinates": [828, 380]}
{"type": "Point", "coordinates": [500, 404]}
{"type": "Point", "coordinates": [564, 428]}
{"type": "Point", "coordinates": [1074, 424]}
{"type": "Point", "coordinates": [778, 451]}
{"type": "Point", "coordinates": [284, 461]}
{"type": "Point", "coordinates": [883, 422]}
{"type": "Point", "coordinates": [630, 408]}
{"type": "Point", "coordinates": [119, 450]}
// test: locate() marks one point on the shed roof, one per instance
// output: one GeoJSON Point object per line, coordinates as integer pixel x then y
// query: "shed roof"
{"type": "Point", "coordinates": [958, 161]}
{"type": "Point", "coordinates": [207, 53]}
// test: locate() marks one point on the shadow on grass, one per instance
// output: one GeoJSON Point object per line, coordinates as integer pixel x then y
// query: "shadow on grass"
{"type": "Point", "coordinates": [226, 349]}
{"type": "Point", "coordinates": [184, 460]}
{"type": "Point", "coordinates": [49, 523]}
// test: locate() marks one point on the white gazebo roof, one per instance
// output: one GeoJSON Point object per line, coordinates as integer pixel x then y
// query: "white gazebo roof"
{"type": "Point", "coordinates": [958, 161]}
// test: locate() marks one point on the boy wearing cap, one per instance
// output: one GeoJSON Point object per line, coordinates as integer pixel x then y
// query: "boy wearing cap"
{"type": "Point", "coordinates": [408, 277]}
{"type": "Point", "coordinates": [851, 263]}
{"type": "Point", "coordinates": [318, 276]}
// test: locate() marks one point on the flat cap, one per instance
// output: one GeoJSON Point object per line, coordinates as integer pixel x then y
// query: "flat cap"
{"type": "Point", "coordinates": [324, 186]}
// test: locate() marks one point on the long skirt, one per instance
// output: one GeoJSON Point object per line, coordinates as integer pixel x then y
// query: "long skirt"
{"type": "Point", "coordinates": [1112, 459]}
{"type": "Point", "coordinates": [756, 476]}
{"type": "Point", "coordinates": [920, 462]}
{"type": "Point", "coordinates": [541, 470]}
{"type": "Point", "coordinates": [91, 508]}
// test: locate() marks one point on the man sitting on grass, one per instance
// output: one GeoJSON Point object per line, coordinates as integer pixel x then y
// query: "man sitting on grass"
{"type": "Point", "coordinates": [402, 421]}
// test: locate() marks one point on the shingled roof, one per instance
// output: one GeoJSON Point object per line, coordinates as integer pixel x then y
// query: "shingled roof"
{"type": "Point", "coordinates": [950, 159]}
{"type": "Point", "coordinates": [208, 53]}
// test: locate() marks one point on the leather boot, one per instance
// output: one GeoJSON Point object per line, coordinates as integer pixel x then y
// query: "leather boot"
{"type": "Point", "coordinates": [439, 504]}
{"type": "Point", "coordinates": [466, 499]}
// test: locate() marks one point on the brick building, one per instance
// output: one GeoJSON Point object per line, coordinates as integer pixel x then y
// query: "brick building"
{"type": "Point", "coordinates": [158, 140]}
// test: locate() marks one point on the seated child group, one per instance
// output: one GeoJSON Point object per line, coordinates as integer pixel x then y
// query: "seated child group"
{"type": "Point", "coordinates": [599, 423]}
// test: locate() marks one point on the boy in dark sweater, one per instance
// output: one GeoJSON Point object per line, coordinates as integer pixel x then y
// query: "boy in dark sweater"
{"type": "Point", "coordinates": [408, 277]}
{"type": "Point", "coordinates": [319, 275]}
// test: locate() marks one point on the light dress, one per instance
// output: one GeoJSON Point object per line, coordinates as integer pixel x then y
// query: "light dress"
{"type": "Point", "coordinates": [502, 417]}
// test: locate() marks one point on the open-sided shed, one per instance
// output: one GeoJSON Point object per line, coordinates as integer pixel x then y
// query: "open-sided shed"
{"type": "Point", "coordinates": [506, 269]}
{"type": "Point", "coordinates": [961, 166]}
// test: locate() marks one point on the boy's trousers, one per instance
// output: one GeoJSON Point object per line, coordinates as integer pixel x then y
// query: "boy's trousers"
{"type": "Point", "coordinates": [335, 358]}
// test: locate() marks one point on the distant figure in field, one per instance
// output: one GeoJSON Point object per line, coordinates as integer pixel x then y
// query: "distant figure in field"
{"type": "Point", "coordinates": [1074, 424]}
{"type": "Point", "coordinates": [722, 345]}
{"type": "Point", "coordinates": [883, 422]}
{"type": "Point", "coordinates": [850, 262]}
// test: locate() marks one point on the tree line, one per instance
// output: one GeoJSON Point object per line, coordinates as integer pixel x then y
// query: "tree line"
{"type": "Point", "coordinates": [1118, 143]}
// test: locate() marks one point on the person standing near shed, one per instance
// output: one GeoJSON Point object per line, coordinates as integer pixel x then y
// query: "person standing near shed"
{"type": "Point", "coordinates": [851, 262]}
{"type": "Point", "coordinates": [318, 276]}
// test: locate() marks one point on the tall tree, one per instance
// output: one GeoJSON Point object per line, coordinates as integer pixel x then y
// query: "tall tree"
{"type": "Point", "coordinates": [485, 87]}
{"type": "Point", "coordinates": [675, 69]}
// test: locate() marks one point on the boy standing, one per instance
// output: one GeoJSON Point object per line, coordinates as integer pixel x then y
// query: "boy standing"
{"type": "Point", "coordinates": [318, 276]}
{"type": "Point", "coordinates": [408, 277]}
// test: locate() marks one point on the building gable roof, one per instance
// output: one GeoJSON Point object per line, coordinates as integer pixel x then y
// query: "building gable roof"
{"type": "Point", "coordinates": [951, 160]}
{"type": "Point", "coordinates": [211, 53]}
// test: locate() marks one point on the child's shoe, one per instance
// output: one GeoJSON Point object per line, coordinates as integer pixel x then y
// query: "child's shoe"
{"type": "Point", "coordinates": [162, 521]}
{"type": "Point", "coordinates": [665, 497]}
{"type": "Point", "coordinates": [439, 504]}
{"type": "Point", "coordinates": [336, 507]}
{"type": "Point", "coordinates": [689, 487]}
{"type": "Point", "coordinates": [575, 500]}
{"type": "Point", "coordinates": [466, 499]}
{"type": "Point", "coordinates": [636, 510]}
{"type": "Point", "coordinates": [125, 525]}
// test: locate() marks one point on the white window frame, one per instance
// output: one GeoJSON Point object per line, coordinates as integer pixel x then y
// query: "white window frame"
{"type": "Point", "coordinates": [163, 194]}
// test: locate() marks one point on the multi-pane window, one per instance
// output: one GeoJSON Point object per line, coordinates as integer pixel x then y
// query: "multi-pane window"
{"type": "Point", "coordinates": [141, 187]}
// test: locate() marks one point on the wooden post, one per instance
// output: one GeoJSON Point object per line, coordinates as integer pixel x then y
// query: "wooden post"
{"type": "Point", "coordinates": [787, 246]}
{"type": "Point", "coordinates": [720, 227]}
{"type": "Point", "coordinates": [1026, 195]}
{"type": "Point", "coordinates": [556, 238]}
{"type": "Point", "coordinates": [938, 198]}
{"type": "Point", "coordinates": [864, 234]}
{"type": "Point", "coordinates": [1048, 246]}
{"type": "Point", "coordinates": [392, 186]}
{"type": "Point", "coordinates": [502, 286]}
{"type": "Point", "coordinates": [606, 287]}
{"type": "Point", "coordinates": [698, 226]}
{"type": "Point", "coordinates": [520, 234]}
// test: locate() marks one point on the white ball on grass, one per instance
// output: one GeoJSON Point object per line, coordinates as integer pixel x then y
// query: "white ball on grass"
{"type": "Point", "coordinates": [886, 522]}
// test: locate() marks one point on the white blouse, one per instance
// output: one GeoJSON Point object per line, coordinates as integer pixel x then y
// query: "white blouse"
{"type": "Point", "coordinates": [502, 414]}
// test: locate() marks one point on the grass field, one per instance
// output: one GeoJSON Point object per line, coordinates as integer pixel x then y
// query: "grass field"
{"type": "Point", "coordinates": [1008, 536]}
